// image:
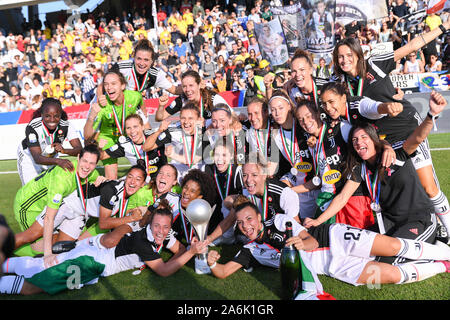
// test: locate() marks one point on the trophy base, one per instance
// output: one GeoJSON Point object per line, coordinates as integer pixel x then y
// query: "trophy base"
{"type": "Point", "coordinates": [201, 265]}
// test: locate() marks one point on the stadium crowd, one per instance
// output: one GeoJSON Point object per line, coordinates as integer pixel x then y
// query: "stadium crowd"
{"type": "Point", "coordinates": [66, 62]}
{"type": "Point", "coordinates": [334, 149]}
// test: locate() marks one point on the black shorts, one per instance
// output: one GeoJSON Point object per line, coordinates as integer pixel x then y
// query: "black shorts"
{"type": "Point", "coordinates": [420, 228]}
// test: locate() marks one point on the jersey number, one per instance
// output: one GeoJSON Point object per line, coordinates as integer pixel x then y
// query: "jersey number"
{"type": "Point", "coordinates": [353, 234]}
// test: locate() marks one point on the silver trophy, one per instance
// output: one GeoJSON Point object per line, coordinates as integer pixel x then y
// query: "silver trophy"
{"type": "Point", "coordinates": [198, 213]}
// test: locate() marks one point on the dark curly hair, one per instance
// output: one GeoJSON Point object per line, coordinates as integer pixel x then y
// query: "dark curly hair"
{"type": "Point", "coordinates": [205, 182]}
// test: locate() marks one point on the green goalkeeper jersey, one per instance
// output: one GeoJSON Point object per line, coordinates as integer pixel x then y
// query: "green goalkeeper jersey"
{"type": "Point", "coordinates": [110, 121]}
{"type": "Point", "coordinates": [46, 190]}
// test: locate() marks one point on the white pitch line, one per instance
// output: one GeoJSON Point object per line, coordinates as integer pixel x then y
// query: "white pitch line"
{"type": "Point", "coordinates": [127, 165]}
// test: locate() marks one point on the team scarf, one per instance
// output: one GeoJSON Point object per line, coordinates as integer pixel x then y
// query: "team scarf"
{"type": "Point", "coordinates": [49, 137]}
{"type": "Point", "coordinates": [138, 87]}
{"type": "Point", "coordinates": [263, 144]}
{"type": "Point", "coordinates": [319, 147]}
{"type": "Point", "coordinates": [289, 152]}
{"type": "Point", "coordinates": [120, 127]}
{"type": "Point", "coordinates": [189, 153]}
{"type": "Point", "coordinates": [262, 203]}
{"type": "Point", "coordinates": [360, 87]}
{"type": "Point", "coordinates": [311, 286]}
{"type": "Point", "coordinates": [123, 204]}
{"type": "Point", "coordinates": [81, 195]}
{"type": "Point", "coordinates": [218, 185]}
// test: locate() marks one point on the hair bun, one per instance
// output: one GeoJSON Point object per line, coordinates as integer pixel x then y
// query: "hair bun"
{"type": "Point", "coordinates": [141, 163]}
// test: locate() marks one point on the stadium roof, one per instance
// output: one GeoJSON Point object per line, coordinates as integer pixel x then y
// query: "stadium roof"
{"type": "Point", "coordinates": [9, 4]}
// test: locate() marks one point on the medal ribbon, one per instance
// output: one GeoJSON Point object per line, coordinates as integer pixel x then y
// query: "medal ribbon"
{"type": "Point", "coordinates": [190, 154]}
{"type": "Point", "coordinates": [315, 95]}
{"type": "Point", "coordinates": [266, 145]}
{"type": "Point", "coordinates": [222, 196]}
{"type": "Point", "coordinates": [116, 118]}
{"type": "Point", "coordinates": [360, 87]}
{"type": "Point", "coordinates": [136, 83]}
{"type": "Point", "coordinates": [318, 147]}
{"type": "Point", "coordinates": [83, 198]}
{"type": "Point", "coordinates": [137, 154]}
{"type": "Point", "coordinates": [49, 137]}
{"type": "Point", "coordinates": [123, 205]}
{"type": "Point", "coordinates": [263, 203]}
{"type": "Point", "coordinates": [373, 185]}
{"type": "Point", "coordinates": [290, 154]}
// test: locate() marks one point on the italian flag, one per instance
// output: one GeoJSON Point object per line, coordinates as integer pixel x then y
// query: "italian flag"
{"type": "Point", "coordinates": [435, 6]}
{"type": "Point", "coordinates": [311, 287]}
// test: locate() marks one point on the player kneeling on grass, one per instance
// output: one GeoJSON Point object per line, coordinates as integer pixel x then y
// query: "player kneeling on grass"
{"type": "Point", "coordinates": [90, 260]}
{"type": "Point", "coordinates": [342, 252]}
{"type": "Point", "coordinates": [44, 195]}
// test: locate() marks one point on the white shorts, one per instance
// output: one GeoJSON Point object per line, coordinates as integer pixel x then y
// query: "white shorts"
{"type": "Point", "coordinates": [28, 169]}
{"type": "Point", "coordinates": [71, 218]}
{"type": "Point", "coordinates": [422, 157]}
{"type": "Point", "coordinates": [350, 252]}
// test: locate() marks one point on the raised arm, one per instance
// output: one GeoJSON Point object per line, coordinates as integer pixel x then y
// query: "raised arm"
{"type": "Point", "coordinates": [419, 41]}
{"type": "Point", "coordinates": [437, 104]}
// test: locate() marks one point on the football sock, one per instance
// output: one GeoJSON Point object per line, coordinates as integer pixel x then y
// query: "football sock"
{"type": "Point", "coordinates": [413, 272]}
{"type": "Point", "coordinates": [442, 209]}
{"type": "Point", "coordinates": [413, 249]}
{"type": "Point", "coordinates": [11, 284]}
{"type": "Point", "coordinates": [24, 266]}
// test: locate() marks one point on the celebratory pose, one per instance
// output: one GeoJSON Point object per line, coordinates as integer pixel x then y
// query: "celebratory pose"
{"type": "Point", "coordinates": [331, 250]}
{"type": "Point", "coordinates": [132, 147]}
{"type": "Point", "coordinates": [109, 121]}
{"type": "Point", "coordinates": [183, 143]}
{"type": "Point", "coordinates": [370, 78]}
{"type": "Point", "coordinates": [94, 260]}
{"type": "Point", "coordinates": [44, 195]}
{"type": "Point", "coordinates": [205, 99]}
{"type": "Point", "coordinates": [44, 136]}
{"type": "Point", "coordinates": [140, 73]}
{"type": "Point", "coordinates": [292, 142]}
{"type": "Point", "coordinates": [398, 199]}
{"type": "Point", "coordinates": [228, 180]}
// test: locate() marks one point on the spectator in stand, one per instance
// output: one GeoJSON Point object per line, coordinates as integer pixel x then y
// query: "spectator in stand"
{"type": "Point", "coordinates": [434, 64]}
{"type": "Point", "coordinates": [414, 65]}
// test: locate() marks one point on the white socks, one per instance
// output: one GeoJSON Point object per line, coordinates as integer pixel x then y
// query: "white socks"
{"type": "Point", "coordinates": [415, 250]}
{"type": "Point", "coordinates": [442, 209]}
{"type": "Point", "coordinates": [11, 284]}
{"type": "Point", "coordinates": [413, 272]}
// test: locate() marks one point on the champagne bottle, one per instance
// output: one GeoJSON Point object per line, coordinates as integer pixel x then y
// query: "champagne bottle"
{"type": "Point", "coordinates": [290, 268]}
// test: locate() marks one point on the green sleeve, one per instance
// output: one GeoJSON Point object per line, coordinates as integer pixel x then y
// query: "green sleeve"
{"type": "Point", "coordinates": [61, 184]}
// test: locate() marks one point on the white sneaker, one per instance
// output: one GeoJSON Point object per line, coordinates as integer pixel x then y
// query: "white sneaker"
{"type": "Point", "coordinates": [201, 266]}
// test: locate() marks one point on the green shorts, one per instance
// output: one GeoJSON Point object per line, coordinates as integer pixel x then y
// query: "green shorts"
{"type": "Point", "coordinates": [112, 140]}
{"type": "Point", "coordinates": [26, 212]}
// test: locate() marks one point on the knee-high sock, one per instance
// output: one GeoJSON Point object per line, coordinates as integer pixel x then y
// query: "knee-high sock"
{"type": "Point", "coordinates": [24, 266]}
{"type": "Point", "coordinates": [414, 250]}
{"type": "Point", "coordinates": [442, 209]}
{"type": "Point", "coordinates": [11, 284]}
{"type": "Point", "coordinates": [413, 272]}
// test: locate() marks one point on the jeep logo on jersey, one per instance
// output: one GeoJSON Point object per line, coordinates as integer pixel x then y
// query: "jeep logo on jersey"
{"type": "Point", "coordinates": [304, 167]}
{"type": "Point", "coordinates": [334, 159]}
{"type": "Point", "coordinates": [331, 177]}
{"type": "Point", "coordinates": [303, 153]}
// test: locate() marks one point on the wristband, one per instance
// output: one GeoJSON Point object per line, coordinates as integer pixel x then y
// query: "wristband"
{"type": "Point", "coordinates": [429, 115]}
{"type": "Point", "coordinates": [444, 31]}
{"type": "Point", "coordinates": [213, 265]}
